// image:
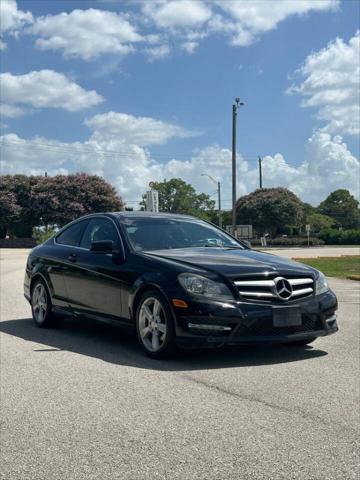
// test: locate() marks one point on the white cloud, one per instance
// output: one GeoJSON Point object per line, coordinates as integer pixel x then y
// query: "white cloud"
{"type": "Point", "coordinates": [242, 21]}
{"type": "Point", "coordinates": [177, 13]}
{"type": "Point", "coordinates": [331, 85]}
{"type": "Point", "coordinates": [328, 164]}
{"type": "Point", "coordinates": [28, 157]}
{"type": "Point", "coordinates": [45, 88]}
{"type": "Point", "coordinates": [13, 19]}
{"type": "Point", "coordinates": [127, 166]}
{"type": "Point", "coordinates": [142, 131]}
{"type": "Point", "coordinates": [247, 20]}
{"type": "Point", "coordinates": [189, 47]}
{"type": "Point", "coordinates": [85, 33]}
{"type": "Point", "coordinates": [158, 52]}
{"type": "Point", "coordinates": [10, 111]}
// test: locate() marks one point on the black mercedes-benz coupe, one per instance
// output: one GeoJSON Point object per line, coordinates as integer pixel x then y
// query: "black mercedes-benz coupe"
{"type": "Point", "coordinates": [178, 281]}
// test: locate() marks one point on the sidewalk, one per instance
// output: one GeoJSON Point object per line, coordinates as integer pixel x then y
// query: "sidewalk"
{"type": "Point", "coordinates": [311, 252]}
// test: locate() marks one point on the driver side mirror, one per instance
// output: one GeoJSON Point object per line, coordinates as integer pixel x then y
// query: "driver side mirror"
{"type": "Point", "coordinates": [108, 246]}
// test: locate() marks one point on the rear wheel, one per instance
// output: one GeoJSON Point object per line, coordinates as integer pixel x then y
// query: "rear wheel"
{"type": "Point", "coordinates": [154, 325]}
{"type": "Point", "coordinates": [41, 306]}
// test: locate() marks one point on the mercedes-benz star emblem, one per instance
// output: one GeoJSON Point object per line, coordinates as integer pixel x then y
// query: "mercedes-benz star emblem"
{"type": "Point", "coordinates": [283, 288]}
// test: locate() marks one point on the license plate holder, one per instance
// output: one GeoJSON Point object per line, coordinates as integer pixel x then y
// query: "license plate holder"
{"type": "Point", "coordinates": [287, 317]}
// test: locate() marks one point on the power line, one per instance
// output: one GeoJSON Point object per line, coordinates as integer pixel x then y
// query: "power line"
{"type": "Point", "coordinates": [110, 153]}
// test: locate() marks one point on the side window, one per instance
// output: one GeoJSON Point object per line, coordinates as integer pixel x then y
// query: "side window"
{"type": "Point", "coordinates": [99, 229]}
{"type": "Point", "coordinates": [72, 235]}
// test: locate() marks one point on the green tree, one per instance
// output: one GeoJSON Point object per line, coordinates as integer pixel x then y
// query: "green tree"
{"type": "Point", "coordinates": [55, 200]}
{"type": "Point", "coordinates": [319, 222]}
{"type": "Point", "coordinates": [270, 209]}
{"type": "Point", "coordinates": [9, 211]}
{"type": "Point", "coordinates": [343, 207]}
{"type": "Point", "coordinates": [177, 196]}
{"type": "Point", "coordinates": [20, 186]}
{"type": "Point", "coordinates": [62, 198]}
{"type": "Point", "coordinates": [309, 209]}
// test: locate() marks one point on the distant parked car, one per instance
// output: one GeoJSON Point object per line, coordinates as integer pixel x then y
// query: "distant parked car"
{"type": "Point", "coordinates": [178, 281]}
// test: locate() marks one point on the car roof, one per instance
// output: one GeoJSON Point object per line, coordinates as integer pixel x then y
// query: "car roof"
{"type": "Point", "coordinates": [137, 214]}
{"type": "Point", "coordinates": [142, 214]}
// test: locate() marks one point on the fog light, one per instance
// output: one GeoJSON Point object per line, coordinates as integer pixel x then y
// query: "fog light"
{"type": "Point", "coordinates": [331, 319]}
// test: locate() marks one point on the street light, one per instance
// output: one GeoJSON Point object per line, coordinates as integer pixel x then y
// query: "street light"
{"type": "Point", "coordinates": [219, 195]}
{"type": "Point", "coordinates": [235, 107]}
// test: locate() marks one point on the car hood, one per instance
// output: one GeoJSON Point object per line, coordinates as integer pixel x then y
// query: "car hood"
{"type": "Point", "coordinates": [233, 263]}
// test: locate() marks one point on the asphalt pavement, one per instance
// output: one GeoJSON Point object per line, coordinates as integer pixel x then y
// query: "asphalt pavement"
{"type": "Point", "coordinates": [82, 402]}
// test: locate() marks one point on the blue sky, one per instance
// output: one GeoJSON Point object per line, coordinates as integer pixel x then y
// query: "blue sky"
{"type": "Point", "coordinates": [169, 72]}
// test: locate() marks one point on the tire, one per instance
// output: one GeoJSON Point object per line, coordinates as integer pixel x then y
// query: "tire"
{"type": "Point", "coordinates": [41, 306]}
{"type": "Point", "coordinates": [300, 343]}
{"type": "Point", "coordinates": [154, 325]}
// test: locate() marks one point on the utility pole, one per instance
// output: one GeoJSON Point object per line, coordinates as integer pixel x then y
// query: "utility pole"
{"type": "Point", "coordinates": [235, 106]}
{"type": "Point", "coordinates": [219, 204]}
{"type": "Point", "coordinates": [219, 196]}
{"type": "Point", "coordinates": [260, 172]}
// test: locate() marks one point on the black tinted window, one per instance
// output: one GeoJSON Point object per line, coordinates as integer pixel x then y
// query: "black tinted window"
{"type": "Point", "coordinates": [152, 233]}
{"type": "Point", "coordinates": [72, 235]}
{"type": "Point", "coordinates": [99, 229]}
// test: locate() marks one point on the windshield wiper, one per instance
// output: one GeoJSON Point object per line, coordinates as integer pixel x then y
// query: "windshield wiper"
{"type": "Point", "coordinates": [224, 246]}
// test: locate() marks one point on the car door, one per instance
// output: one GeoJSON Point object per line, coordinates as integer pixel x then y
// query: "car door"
{"type": "Point", "coordinates": [93, 281]}
{"type": "Point", "coordinates": [58, 260]}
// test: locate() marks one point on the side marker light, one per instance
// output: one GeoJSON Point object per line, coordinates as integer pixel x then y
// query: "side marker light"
{"type": "Point", "coordinates": [179, 303]}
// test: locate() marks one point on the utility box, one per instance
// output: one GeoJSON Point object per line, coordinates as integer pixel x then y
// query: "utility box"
{"type": "Point", "coordinates": [244, 232]}
{"type": "Point", "coordinates": [152, 201]}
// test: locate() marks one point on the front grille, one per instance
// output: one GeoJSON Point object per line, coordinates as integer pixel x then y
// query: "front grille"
{"type": "Point", "coordinates": [266, 290]}
{"type": "Point", "coordinates": [264, 327]}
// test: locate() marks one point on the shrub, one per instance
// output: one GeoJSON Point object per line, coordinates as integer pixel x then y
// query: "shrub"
{"type": "Point", "coordinates": [40, 235]}
{"type": "Point", "coordinates": [340, 237]}
{"type": "Point", "coordinates": [270, 210]}
{"type": "Point", "coordinates": [289, 242]}
{"type": "Point", "coordinates": [351, 236]}
{"type": "Point", "coordinates": [296, 241]}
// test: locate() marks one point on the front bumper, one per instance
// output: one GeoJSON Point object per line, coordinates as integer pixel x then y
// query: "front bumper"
{"type": "Point", "coordinates": [236, 323]}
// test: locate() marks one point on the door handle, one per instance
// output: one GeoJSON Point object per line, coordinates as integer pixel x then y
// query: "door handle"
{"type": "Point", "coordinates": [72, 257]}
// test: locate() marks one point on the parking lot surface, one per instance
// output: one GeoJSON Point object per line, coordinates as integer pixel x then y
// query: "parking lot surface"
{"type": "Point", "coordinates": [82, 402]}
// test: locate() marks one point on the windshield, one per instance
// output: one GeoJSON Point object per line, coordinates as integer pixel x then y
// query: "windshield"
{"type": "Point", "coordinates": [158, 233]}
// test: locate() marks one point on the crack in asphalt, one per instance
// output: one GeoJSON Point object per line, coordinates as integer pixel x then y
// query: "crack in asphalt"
{"type": "Point", "coordinates": [282, 409]}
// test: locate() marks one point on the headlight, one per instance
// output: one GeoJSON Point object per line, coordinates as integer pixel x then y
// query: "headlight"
{"type": "Point", "coordinates": [321, 284]}
{"type": "Point", "coordinates": [202, 286]}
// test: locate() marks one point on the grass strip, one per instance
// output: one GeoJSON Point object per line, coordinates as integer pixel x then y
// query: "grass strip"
{"type": "Point", "coordinates": [342, 267]}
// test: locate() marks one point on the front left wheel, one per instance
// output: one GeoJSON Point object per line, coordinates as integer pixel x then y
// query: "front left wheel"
{"type": "Point", "coordinates": [154, 325]}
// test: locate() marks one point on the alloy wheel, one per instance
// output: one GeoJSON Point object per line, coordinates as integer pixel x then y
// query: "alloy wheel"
{"type": "Point", "coordinates": [39, 303]}
{"type": "Point", "coordinates": [152, 324]}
